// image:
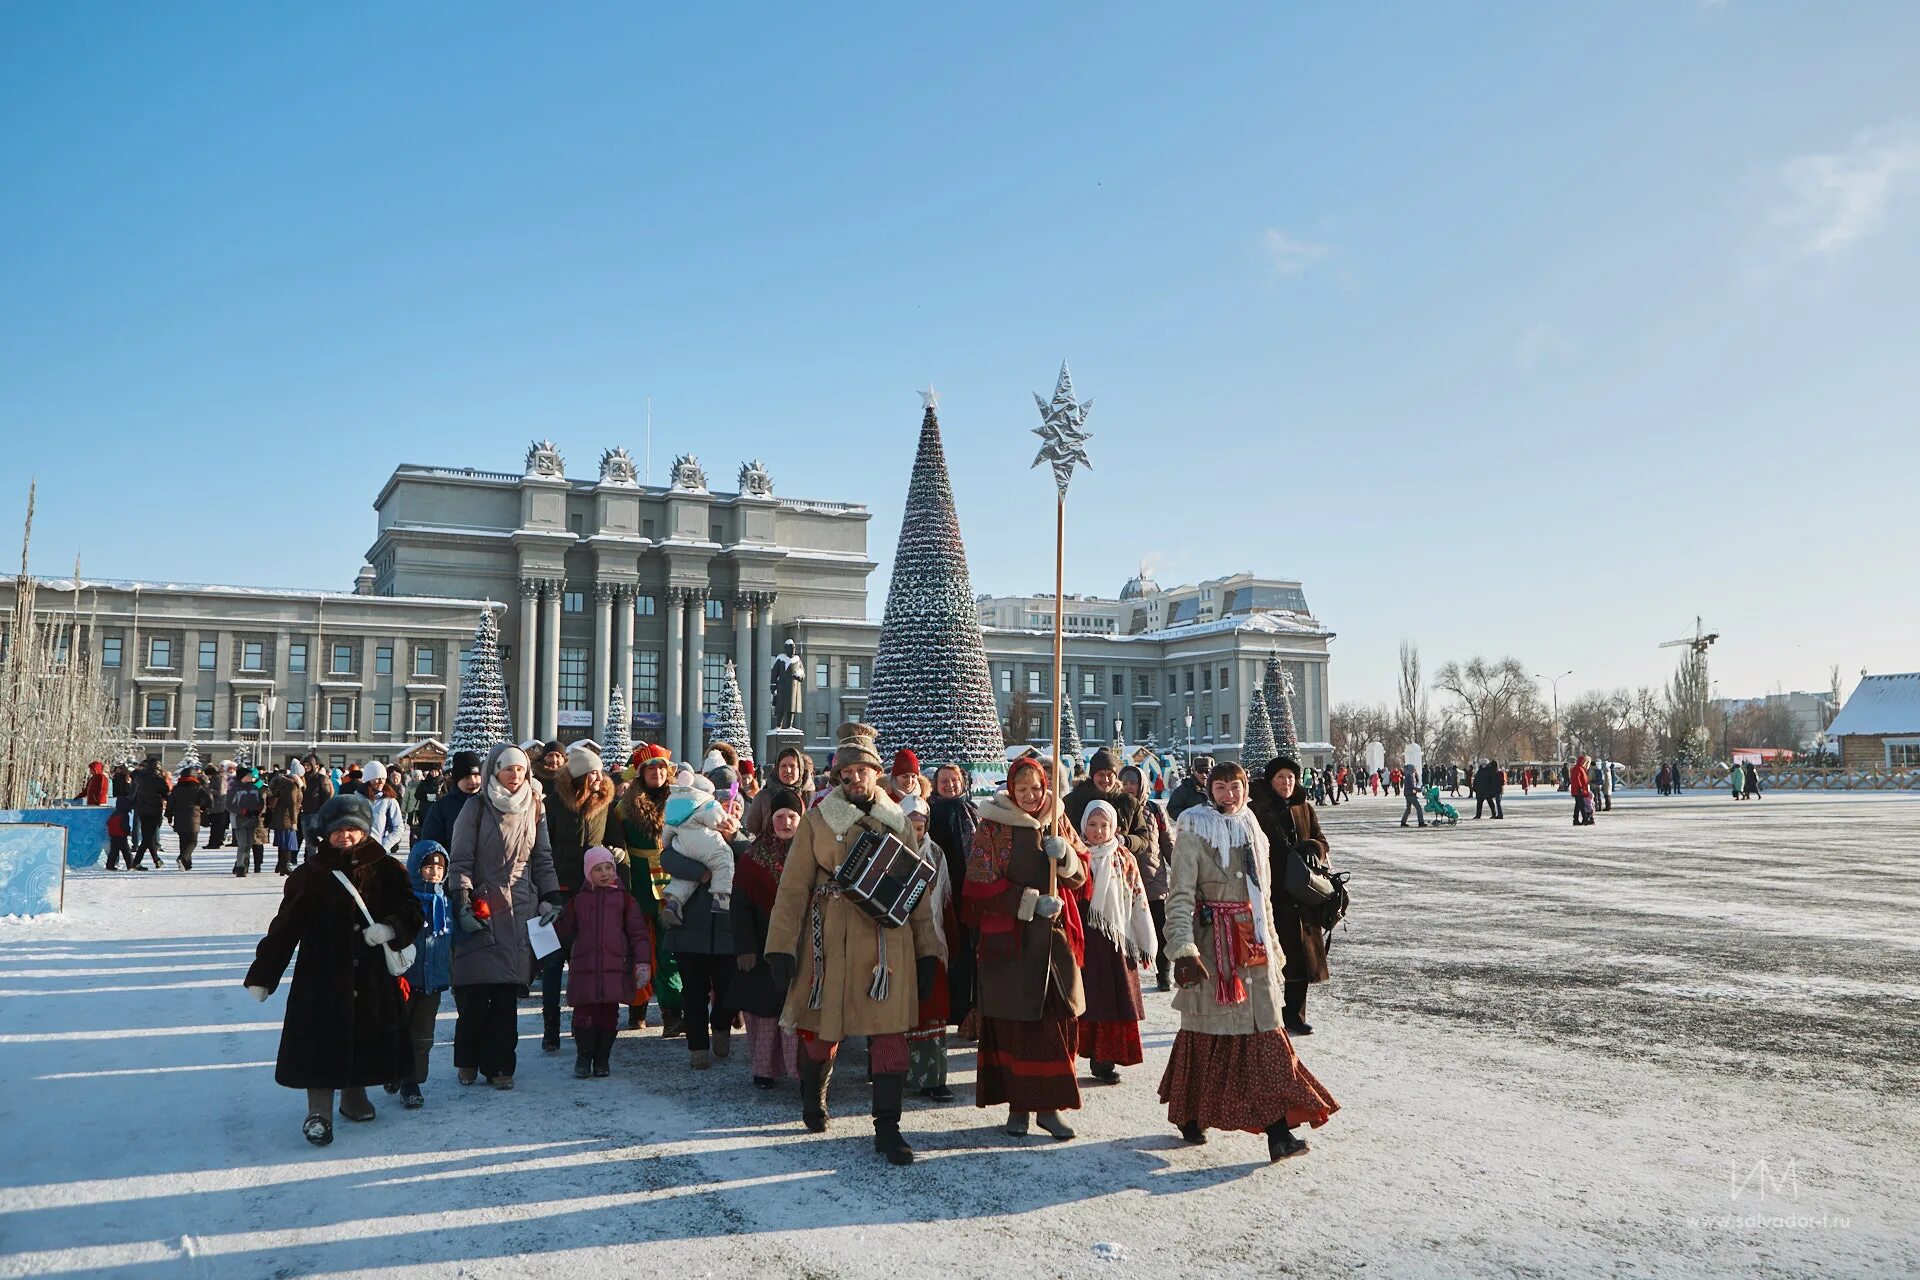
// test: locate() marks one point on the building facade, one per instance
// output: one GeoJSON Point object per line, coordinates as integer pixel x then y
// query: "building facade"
{"type": "Point", "coordinates": [610, 582]}
{"type": "Point", "coordinates": [1879, 728]}
{"type": "Point", "coordinates": [352, 676]}
{"type": "Point", "coordinates": [1138, 685]}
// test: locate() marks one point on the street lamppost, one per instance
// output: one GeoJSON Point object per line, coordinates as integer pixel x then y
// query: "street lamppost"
{"type": "Point", "coordinates": [1189, 737]}
{"type": "Point", "coordinates": [1119, 738]}
{"type": "Point", "coordinates": [266, 731]}
{"type": "Point", "coordinates": [1558, 751]}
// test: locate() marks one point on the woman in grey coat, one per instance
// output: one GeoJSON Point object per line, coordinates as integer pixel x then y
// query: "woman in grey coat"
{"type": "Point", "coordinates": [502, 873]}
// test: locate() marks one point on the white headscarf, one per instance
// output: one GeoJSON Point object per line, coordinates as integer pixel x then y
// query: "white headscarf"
{"type": "Point", "coordinates": [1118, 907]}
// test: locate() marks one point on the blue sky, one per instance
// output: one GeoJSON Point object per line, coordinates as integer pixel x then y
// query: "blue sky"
{"type": "Point", "coordinates": [1530, 329]}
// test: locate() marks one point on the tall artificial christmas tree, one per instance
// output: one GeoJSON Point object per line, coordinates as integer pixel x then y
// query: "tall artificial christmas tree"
{"type": "Point", "coordinates": [480, 723]}
{"type": "Point", "coordinates": [1259, 746]}
{"type": "Point", "coordinates": [616, 741]}
{"type": "Point", "coordinates": [190, 758]}
{"type": "Point", "coordinates": [730, 717]}
{"type": "Point", "coordinates": [1277, 687]}
{"type": "Point", "coordinates": [243, 755]}
{"type": "Point", "coordinates": [931, 690]}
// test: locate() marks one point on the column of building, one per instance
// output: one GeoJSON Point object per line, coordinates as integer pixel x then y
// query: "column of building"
{"type": "Point", "coordinates": [760, 696]}
{"type": "Point", "coordinates": [695, 729]}
{"type": "Point", "coordinates": [604, 595]}
{"type": "Point", "coordinates": [549, 719]}
{"type": "Point", "coordinates": [623, 604]}
{"type": "Point", "coordinates": [525, 704]}
{"type": "Point", "coordinates": [672, 679]}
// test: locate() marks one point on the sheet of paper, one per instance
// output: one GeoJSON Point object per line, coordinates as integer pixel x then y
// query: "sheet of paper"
{"type": "Point", "coordinates": [545, 940]}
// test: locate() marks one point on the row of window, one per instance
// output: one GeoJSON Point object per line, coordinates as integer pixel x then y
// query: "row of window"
{"type": "Point", "coordinates": [253, 656]}
{"type": "Point", "coordinates": [643, 606]}
{"type": "Point", "coordinates": [423, 715]}
{"type": "Point", "coordinates": [575, 692]}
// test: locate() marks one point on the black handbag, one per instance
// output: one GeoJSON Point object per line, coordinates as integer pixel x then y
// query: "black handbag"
{"type": "Point", "coordinates": [1307, 883]}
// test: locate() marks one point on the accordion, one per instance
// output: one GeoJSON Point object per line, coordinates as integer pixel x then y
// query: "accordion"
{"type": "Point", "coordinates": [884, 878]}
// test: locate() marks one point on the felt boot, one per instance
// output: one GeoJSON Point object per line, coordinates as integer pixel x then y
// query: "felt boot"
{"type": "Point", "coordinates": [887, 1089]}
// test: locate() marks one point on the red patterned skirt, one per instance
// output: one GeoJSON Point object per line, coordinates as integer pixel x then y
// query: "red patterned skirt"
{"type": "Point", "coordinates": [1241, 1082]}
{"type": "Point", "coordinates": [1028, 1065]}
{"type": "Point", "coordinates": [1115, 1041]}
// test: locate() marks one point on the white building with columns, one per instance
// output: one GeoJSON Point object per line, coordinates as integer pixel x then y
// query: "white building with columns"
{"type": "Point", "coordinates": [610, 582]}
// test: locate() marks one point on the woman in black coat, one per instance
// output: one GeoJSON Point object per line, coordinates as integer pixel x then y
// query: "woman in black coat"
{"type": "Point", "coordinates": [1287, 819]}
{"type": "Point", "coordinates": [346, 1025]}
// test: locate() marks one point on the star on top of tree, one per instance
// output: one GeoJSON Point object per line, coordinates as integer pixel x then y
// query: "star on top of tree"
{"type": "Point", "coordinates": [1062, 430]}
{"type": "Point", "coordinates": [929, 399]}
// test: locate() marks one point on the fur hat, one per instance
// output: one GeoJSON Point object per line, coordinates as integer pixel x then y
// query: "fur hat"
{"type": "Point", "coordinates": [582, 761]}
{"type": "Point", "coordinates": [856, 745]}
{"type": "Point", "coordinates": [904, 762]}
{"type": "Point", "coordinates": [721, 752]}
{"type": "Point", "coordinates": [348, 811]}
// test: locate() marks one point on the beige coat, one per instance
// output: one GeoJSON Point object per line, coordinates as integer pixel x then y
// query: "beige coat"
{"type": "Point", "coordinates": [852, 938]}
{"type": "Point", "coordinates": [1197, 874]}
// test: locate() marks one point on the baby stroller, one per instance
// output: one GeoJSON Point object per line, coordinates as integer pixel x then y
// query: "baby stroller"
{"type": "Point", "coordinates": [1439, 808]}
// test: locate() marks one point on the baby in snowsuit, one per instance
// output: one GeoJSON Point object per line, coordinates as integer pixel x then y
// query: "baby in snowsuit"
{"type": "Point", "coordinates": [693, 819]}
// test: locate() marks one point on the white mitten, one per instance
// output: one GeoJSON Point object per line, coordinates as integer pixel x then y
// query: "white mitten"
{"type": "Point", "coordinates": [259, 993]}
{"type": "Point", "coordinates": [375, 935]}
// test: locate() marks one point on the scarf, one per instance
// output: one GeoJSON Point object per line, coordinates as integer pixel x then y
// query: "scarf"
{"type": "Point", "coordinates": [1225, 832]}
{"type": "Point", "coordinates": [757, 873]}
{"type": "Point", "coordinates": [1117, 906]}
{"type": "Point", "coordinates": [509, 803]}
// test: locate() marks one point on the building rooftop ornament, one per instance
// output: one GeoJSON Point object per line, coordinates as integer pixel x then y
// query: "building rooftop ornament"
{"type": "Point", "coordinates": [1140, 585]}
{"type": "Point", "coordinates": [687, 475]}
{"type": "Point", "coordinates": [616, 467]}
{"type": "Point", "coordinates": [543, 459]}
{"type": "Point", "coordinates": [755, 480]}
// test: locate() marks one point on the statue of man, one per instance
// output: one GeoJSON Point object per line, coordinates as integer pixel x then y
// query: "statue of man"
{"type": "Point", "coordinates": [786, 681]}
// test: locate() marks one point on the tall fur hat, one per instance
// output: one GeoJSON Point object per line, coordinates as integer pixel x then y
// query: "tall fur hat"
{"type": "Point", "coordinates": [856, 745]}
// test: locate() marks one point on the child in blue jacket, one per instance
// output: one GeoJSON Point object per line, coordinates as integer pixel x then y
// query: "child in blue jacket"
{"type": "Point", "coordinates": [432, 971]}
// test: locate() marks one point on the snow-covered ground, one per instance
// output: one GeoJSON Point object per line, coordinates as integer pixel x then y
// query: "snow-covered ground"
{"type": "Point", "coordinates": [1679, 1043]}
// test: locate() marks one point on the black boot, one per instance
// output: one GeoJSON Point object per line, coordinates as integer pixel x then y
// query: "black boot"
{"type": "Point", "coordinates": [672, 1023]}
{"type": "Point", "coordinates": [886, 1118]}
{"type": "Point", "coordinates": [1281, 1143]}
{"type": "Point", "coordinates": [603, 1051]}
{"type": "Point", "coordinates": [259, 858]}
{"type": "Point", "coordinates": [1192, 1132]}
{"type": "Point", "coordinates": [550, 1037]}
{"type": "Point", "coordinates": [814, 1079]}
{"type": "Point", "coordinates": [636, 1016]}
{"type": "Point", "coordinates": [585, 1042]}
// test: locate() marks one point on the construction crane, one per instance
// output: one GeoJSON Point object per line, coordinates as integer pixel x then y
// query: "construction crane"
{"type": "Point", "coordinates": [1698, 643]}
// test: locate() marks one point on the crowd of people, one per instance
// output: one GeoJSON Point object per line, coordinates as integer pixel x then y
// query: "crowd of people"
{"type": "Point", "coordinates": [711, 892]}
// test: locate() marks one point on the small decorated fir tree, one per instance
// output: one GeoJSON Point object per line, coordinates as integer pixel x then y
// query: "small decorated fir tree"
{"type": "Point", "coordinates": [616, 740]}
{"type": "Point", "coordinates": [190, 758]}
{"type": "Point", "coordinates": [1074, 753]}
{"type": "Point", "coordinates": [730, 717]}
{"type": "Point", "coordinates": [480, 722]}
{"type": "Point", "coordinates": [1277, 687]}
{"type": "Point", "coordinates": [1259, 746]}
{"type": "Point", "coordinates": [931, 688]}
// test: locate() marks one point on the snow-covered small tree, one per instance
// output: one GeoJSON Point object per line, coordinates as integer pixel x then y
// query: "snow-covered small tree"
{"type": "Point", "coordinates": [1277, 686]}
{"type": "Point", "coordinates": [480, 722]}
{"type": "Point", "coordinates": [1259, 746]}
{"type": "Point", "coordinates": [616, 741]}
{"type": "Point", "coordinates": [243, 755]}
{"type": "Point", "coordinates": [730, 717]}
{"type": "Point", "coordinates": [190, 758]}
{"type": "Point", "coordinates": [1074, 753]}
{"type": "Point", "coordinates": [931, 688]}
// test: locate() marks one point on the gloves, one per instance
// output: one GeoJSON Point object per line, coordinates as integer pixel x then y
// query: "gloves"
{"type": "Point", "coordinates": [259, 993]}
{"type": "Point", "coordinates": [470, 923]}
{"type": "Point", "coordinates": [1190, 971]}
{"type": "Point", "coordinates": [927, 970]}
{"type": "Point", "coordinates": [1057, 848]}
{"type": "Point", "coordinates": [550, 911]}
{"type": "Point", "coordinates": [376, 934]}
{"type": "Point", "coordinates": [641, 974]}
{"type": "Point", "coordinates": [1047, 907]}
{"type": "Point", "coordinates": [781, 967]}
{"type": "Point", "coordinates": [745, 963]}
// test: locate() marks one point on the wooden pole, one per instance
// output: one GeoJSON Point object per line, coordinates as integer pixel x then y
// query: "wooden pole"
{"type": "Point", "coordinates": [1060, 774]}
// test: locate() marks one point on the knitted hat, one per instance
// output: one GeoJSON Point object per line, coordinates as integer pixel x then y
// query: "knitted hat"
{"type": "Point", "coordinates": [652, 751]}
{"type": "Point", "coordinates": [787, 798]}
{"type": "Point", "coordinates": [595, 856]}
{"type": "Point", "coordinates": [553, 748]}
{"type": "Point", "coordinates": [582, 760]}
{"type": "Point", "coordinates": [904, 762]}
{"type": "Point", "coordinates": [295, 769]}
{"type": "Point", "coordinates": [746, 768]}
{"type": "Point", "coordinates": [856, 745]}
{"type": "Point", "coordinates": [726, 783]}
{"type": "Point", "coordinates": [1102, 759]}
{"type": "Point", "coordinates": [507, 757]}
{"type": "Point", "coordinates": [464, 765]}
{"type": "Point", "coordinates": [345, 811]}
{"type": "Point", "coordinates": [373, 771]}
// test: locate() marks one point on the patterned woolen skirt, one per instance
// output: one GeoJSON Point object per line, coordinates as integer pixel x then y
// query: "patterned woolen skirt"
{"type": "Point", "coordinates": [1028, 1065]}
{"type": "Point", "coordinates": [1241, 1082]}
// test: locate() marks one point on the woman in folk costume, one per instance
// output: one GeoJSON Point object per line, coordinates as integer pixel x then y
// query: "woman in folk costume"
{"type": "Point", "coordinates": [927, 1042]}
{"type": "Point", "coordinates": [1232, 1065]}
{"type": "Point", "coordinates": [1120, 942]}
{"type": "Point", "coordinates": [642, 815]}
{"type": "Point", "coordinates": [773, 1050]}
{"type": "Point", "coordinates": [1021, 877]}
{"type": "Point", "coordinates": [860, 978]}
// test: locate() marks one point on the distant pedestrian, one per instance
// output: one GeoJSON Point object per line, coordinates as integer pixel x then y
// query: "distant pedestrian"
{"type": "Point", "coordinates": [1581, 789]}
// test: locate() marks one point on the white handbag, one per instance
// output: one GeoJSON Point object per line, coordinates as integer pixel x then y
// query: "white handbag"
{"type": "Point", "coordinates": [398, 962]}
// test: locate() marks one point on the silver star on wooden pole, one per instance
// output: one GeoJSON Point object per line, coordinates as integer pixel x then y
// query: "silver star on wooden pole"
{"type": "Point", "coordinates": [1062, 430]}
